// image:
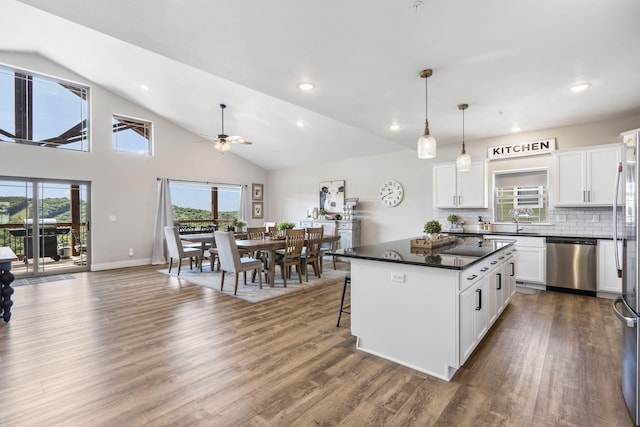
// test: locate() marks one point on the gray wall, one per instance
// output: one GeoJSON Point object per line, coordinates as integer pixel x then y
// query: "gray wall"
{"type": "Point", "coordinates": [124, 185]}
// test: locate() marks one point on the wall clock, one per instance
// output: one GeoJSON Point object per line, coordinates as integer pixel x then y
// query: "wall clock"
{"type": "Point", "coordinates": [393, 255]}
{"type": "Point", "coordinates": [391, 193]}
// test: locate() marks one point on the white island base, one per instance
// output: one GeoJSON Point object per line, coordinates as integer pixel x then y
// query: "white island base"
{"type": "Point", "coordinates": [428, 318]}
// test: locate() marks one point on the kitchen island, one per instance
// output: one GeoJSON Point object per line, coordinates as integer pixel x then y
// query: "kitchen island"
{"type": "Point", "coordinates": [428, 308]}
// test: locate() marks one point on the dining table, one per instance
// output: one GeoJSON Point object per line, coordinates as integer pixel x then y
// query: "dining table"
{"type": "Point", "coordinates": [268, 245]}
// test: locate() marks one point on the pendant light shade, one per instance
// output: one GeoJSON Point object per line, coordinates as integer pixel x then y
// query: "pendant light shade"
{"type": "Point", "coordinates": [463, 161]}
{"type": "Point", "coordinates": [426, 143]}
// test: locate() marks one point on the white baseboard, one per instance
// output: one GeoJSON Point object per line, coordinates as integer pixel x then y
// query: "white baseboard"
{"type": "Point", "coordinates": [121, 264]}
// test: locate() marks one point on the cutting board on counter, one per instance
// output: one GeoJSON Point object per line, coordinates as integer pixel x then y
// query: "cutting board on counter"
{"type": "Point", "coordinates": [430, 244]}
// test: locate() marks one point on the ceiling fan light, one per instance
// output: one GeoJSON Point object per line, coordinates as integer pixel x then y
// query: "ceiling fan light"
{"type": "Point", "coordinates": [222, 146]}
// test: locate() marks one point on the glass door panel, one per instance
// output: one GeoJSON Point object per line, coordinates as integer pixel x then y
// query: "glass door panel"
{"type": "Point", "coordinates": [46, 224]}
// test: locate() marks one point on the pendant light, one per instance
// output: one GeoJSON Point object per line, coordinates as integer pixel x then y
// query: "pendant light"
{"type": "Point", "coordinates": [463, 161]}
{"type": "Point", "coordinates": [426, 143]}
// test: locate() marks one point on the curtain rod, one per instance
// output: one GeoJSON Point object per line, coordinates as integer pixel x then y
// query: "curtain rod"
{"type": "Point", "coordinates": [202, 182]}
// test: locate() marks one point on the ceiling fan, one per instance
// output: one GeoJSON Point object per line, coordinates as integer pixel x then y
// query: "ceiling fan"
{"type": "Point", "coordinates": [223, 142]}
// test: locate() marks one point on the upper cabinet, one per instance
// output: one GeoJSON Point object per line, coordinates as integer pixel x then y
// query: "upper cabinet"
{"type": "Point", "coordinates": [453, 189]}
{"type": "Point", "coordinates": [586, 177]}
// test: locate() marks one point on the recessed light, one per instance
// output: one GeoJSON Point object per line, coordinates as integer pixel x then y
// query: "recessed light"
{"type": "Point", "coordinates": [306, 86]}
{"type": "Point", "coordinates": [516, 129]}
{"type": "Point", "coordinates": [580, 87]}
{"type": "Point", "coordinates": [300, 123]}
{"type": "Point", "coordinates": [144, 87]}
{"type": "Point", "coordinates": [394, 126]}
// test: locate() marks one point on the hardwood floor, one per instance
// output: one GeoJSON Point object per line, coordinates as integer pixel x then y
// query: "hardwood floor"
{"type": "Point", "coordinates": [133, 347]}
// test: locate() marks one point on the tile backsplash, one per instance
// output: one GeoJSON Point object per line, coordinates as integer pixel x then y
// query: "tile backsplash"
{"type": "Point", "coordinates": [591, 221]}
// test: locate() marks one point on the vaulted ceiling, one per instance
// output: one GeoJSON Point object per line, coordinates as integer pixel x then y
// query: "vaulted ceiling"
{"type": "Point", "coordinates": [513, 62]}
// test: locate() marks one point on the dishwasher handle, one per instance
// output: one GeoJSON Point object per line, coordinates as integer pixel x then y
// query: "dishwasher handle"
{"type": "Point", "coordinates": [564, 241]}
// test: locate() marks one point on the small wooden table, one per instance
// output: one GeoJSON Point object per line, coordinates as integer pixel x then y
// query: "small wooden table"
{"type": "Point", "coordinates": [6, 278]}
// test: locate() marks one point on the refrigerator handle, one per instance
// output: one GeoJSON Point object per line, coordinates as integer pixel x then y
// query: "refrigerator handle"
{"type": "Point", "coordinates": [615, 220]}
{"type": "Point", "coordinates": [629, 321]}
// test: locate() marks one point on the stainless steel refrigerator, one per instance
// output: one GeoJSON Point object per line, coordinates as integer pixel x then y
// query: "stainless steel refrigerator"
{"type": "Point", "coordinates": [627, 306]}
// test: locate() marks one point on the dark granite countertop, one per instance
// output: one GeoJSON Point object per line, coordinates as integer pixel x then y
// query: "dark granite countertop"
{"type": "Point", "coordinates": [542, 234]}
{"type": "Point", "coordinates": [465, 252]}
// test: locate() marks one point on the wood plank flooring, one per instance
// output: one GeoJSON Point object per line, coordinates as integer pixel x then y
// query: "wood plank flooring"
{"type": "Point", "coordinates": [133, 347]}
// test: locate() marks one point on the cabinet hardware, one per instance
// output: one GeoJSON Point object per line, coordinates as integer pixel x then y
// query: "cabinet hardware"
{"type": "Point", "coordinates": [499, 281]}
{"type": "Point", "coordinates": [484, 269]}
{"type": "Point", "coordinates": [459, 200]}
{"type": "Point", "coordinates": [494, 262]}
{"type": "Point", "coordinates": [501, 257]}
{"type": "Point", "coordinates": [479, 292]}
{"type": "Point", "coordinates": [454, 200]}
{"type": "Point", "coordinates": [473, 276]}
{"type": "Point", "coordinates": [513, 269]}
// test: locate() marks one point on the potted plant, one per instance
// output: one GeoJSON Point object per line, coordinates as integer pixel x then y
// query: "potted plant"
{"type": "Point", "coordinates": [282, 229]}
{"type": "Point", "coordinates": [239, 224]}
{"type": "Point", "coordinates": [452, 218]}
{"type": "Point", "coordinates": [322, 214]}
{"type": "Point", "coordinates": [432, 228]}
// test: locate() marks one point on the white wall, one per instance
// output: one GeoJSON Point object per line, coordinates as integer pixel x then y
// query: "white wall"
{"type": "Point", "coordinates": [124, 185]}
{"type": "Point", "coordinates": [291, 191]}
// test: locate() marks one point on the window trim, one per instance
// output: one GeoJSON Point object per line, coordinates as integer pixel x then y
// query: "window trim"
{"type": "Point", "coordinates": [148, 124]}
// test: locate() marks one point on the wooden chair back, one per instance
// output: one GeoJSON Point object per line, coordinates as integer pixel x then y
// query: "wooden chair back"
{"type": "Point", "coordinates": [294, 242]}
{"type": "Point", "coordinates": [314, 241]}
{"type": "Point", "coordinates": [256, 233]}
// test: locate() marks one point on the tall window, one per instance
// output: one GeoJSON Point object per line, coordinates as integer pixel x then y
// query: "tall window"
{"type": "Point", "coordinates": [43, 111]}
{"type": "Point", "coordinates": [197, 206]}
{"type": "Point", "coordinates": [131, 135]}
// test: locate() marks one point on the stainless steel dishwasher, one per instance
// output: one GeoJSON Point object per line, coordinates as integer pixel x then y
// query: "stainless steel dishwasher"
{"type": "Point", "coordinates": [571, 265]}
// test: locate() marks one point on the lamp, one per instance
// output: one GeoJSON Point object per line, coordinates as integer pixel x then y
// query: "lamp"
{"type": "Point", "coordinates": [426, 143]}
{"type": "Point", "coordinates": [463, 161]}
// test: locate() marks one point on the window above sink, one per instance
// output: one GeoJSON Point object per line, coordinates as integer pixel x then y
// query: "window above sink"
{"type": "Point", "coordinates": [520, 195]}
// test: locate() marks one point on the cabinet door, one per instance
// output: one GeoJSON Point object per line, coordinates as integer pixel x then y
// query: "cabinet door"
{"type": "Point", "coordinates": [510, 276]}
{"type": "Point", "coordinates": [472, 191]}
{"type": "Point", "coordinates": [444, 186]}
{"type": "Point", "coordinates": [570, 177]}
{"type": "Point", "coordinates": [531, 265]}
{"type": "Point", "coordinates": [602, 165]}
{"type": "Point", "coordinates": [608, 280]}
{"type": "Point", "coordinates": [468, 305]}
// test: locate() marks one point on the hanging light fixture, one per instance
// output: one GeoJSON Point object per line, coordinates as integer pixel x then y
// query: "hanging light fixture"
{"type": "Point", "coordinates": [426, 143]}
{"type": "Point", "coordinates": [463, 161]}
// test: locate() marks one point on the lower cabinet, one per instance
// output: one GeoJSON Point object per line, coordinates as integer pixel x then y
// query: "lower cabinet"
{"type": "Point", "coordinates": [531, 264]}
{"type": "Point", "coordinates": [474, 319]}
{"type": "Point", "coordinates": [487, 289]}
{"type": "Point", "coordinates": [608, 280]}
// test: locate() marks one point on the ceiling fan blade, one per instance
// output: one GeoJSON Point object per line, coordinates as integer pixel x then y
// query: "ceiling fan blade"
{"type": "Point", "coordinates": [238, 140]}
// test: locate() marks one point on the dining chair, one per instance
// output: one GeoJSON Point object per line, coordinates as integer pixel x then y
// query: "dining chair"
{"type": "Point", "coordinates": [290, 255]}
{"type": "Point", "coordinates": [311, 252]}
{"type": "Point", "coordinates": [179, 252]}
{"type": "Point", "coordinates": [258, 233]}
{"type": "Point", "coordinates": [329, 230]}
{"type": "Point", "coordinates": [231, 261]}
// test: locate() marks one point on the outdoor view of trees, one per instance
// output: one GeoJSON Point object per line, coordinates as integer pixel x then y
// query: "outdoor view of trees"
{"type": "Point", "coordinates": [14, 210]}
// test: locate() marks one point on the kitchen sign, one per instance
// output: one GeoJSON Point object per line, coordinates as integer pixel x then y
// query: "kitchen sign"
{"type": "Point", "coordinates": [532, 148]}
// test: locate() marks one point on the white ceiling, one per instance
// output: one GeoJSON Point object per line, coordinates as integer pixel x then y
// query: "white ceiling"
{"type": "Point", "coordinates": [512, 62]}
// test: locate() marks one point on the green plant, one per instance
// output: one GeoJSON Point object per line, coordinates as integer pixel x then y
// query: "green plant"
{"type": "Point", "coordinates": [239, 222]}
{"type": "Point", "coordinates": [452, 218]}
{"type": "Point", "coordinates": [432, 226]}
{"type": "Point", "coordinates": [286, 225]}
{"type": "Point", "coordinates": [433, 259]}
{"type": "Point", "coordinates": [322, 212]}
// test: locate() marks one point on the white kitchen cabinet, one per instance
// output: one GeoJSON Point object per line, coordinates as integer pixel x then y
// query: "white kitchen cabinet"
{"type": "Point", "coordinates": [608, 280]}
{"type": "Point", "coordinates": [531, 259]}
{"type": "Point", "coordinates": [585, 177]}
{"type": "Point", "coordinates": [453, 189]}
{"type": "Point", "coordinates": [474, 316]}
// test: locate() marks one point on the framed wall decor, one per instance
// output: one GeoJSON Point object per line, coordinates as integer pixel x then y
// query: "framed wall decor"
{"type": "Point", "coordinates": [257, 210]}
{"type": "Point", "coordinates": [256, 191]}
{"type": "Point", "coordinates": [332, 196]}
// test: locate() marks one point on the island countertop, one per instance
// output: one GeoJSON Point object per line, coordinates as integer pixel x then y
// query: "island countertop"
{"type": "Point", "coordinates": [465, 252]}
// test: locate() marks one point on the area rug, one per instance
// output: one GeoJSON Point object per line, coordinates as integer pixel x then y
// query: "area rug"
{"type": "Point", "coordinates": [41, 279]}
{"type": "Point", "coordinates": [251, 292]}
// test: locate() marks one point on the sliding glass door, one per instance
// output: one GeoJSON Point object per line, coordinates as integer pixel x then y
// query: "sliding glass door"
{"type": "Point", "coordinates": [46, 223]}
